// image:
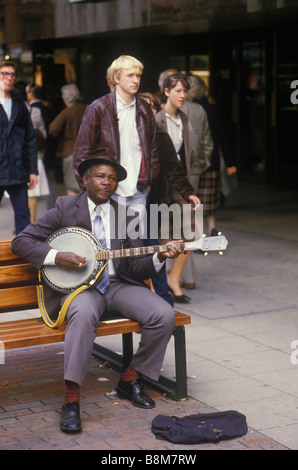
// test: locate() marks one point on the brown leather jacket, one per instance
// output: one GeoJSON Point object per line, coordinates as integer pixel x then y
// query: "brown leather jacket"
{"type": "Point", "coordinates": [99, 128]}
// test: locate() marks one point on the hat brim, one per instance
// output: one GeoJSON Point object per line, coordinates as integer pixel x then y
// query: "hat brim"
{"type": "Point", "coordinates": [121, 172]}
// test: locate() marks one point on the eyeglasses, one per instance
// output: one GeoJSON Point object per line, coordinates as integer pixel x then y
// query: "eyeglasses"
{"type": "Point", "coordinates": [10, 74]}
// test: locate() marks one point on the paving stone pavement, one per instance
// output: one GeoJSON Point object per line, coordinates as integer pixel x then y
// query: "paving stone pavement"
{"type": "Point", "coordinates": [239, 348]}
{"type": "Point", "coordinates": [31, 395]}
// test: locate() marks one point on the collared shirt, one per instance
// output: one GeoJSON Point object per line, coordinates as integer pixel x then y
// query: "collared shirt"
{"type": "Point", "coordinates": [175, 131]}
{"type": "Point", "coordinates": [130, 148]}
{"type": "Point", "coordinates": [105, 214]}
{"type": "Point", "coordinates": [6, 103]}
{"type": "Point", "coordinates": [34, 101]}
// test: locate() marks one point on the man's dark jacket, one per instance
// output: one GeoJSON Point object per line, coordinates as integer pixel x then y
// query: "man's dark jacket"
{"type": "Point", "coordinates": [100, 128]}
{"type": "Point", "coordinates": [18, 148]}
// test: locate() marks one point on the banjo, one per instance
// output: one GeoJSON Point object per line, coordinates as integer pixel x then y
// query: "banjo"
{"type": "Point", "coordinates": [82, 241]}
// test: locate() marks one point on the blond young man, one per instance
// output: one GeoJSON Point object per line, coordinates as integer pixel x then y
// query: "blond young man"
{"type": "Point", "coordinates": [124, 123]}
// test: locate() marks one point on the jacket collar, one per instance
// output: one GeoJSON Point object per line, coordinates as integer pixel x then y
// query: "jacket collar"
{"type": "Point", "coordinates": [140, 104]}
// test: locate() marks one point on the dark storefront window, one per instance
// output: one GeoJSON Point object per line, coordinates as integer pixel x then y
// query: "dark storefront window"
{"type": "Point", "coordinates": [286, 110]}
{"type": "Point", "coordinates": [253, 107]}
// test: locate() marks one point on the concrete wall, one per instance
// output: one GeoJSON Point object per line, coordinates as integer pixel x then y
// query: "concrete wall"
{"type": "Point", "coordinates": [82, 19]}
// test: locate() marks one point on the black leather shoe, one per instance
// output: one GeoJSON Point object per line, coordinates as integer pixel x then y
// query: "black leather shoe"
{"type": "Point", "coordinates": [70, 417]}
{"type": "Point", "coordinates": [180, 299]}
{"type": "Point", "coordinates": [133, 390]}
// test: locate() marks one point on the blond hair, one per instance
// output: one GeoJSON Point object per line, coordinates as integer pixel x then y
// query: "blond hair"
{"type": "Point", "coordinates": [125, 62]}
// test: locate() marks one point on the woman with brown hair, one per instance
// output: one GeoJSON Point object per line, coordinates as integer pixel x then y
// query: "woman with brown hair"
{"type": "Point", "coordinates": [173, 186]}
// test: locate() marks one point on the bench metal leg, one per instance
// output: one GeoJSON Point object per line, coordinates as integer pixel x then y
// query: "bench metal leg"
{"type": "Point", "coordinates": [127, 345]}
{"type": "Point", "coordinates": [176, 388]}
{"type": "Point", "coordinates": [121, 361]}
{"type": "Point", "coordinates": [180, 362]}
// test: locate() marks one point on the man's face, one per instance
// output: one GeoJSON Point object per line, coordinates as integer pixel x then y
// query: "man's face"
{"type": "Point", "coordinates": [128, 81]}
{"type": "Point", "coordinates": [101, 182]}
{"type": "Point", "coordinates": [7, 78]}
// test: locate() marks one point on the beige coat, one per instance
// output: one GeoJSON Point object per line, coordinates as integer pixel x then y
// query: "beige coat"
{"type": "Point", "coordinates": [200, 140]}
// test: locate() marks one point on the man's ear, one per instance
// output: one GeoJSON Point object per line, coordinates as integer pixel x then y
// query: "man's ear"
{"type": "Point", "coordinates": [116, 78]}
{"type": "Point", "coordinates": [85, 178]}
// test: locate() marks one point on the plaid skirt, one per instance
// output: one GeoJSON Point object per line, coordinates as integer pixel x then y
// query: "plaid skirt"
{"type": "Point", "coordinates": [209, 191]}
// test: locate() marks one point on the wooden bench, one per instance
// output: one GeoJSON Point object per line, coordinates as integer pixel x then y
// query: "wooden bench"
{"type": "Point", "coordinates": [18, 280]}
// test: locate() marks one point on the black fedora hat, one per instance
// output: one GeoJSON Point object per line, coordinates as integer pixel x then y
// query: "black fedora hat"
{"type": "Point", "coordinates": [104, 156]}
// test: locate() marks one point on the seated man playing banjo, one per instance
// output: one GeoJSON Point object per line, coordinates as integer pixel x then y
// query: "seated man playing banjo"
{"type": "Point", "coordinates": [119, 288]}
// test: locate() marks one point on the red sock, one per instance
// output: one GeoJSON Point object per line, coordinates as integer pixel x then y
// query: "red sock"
{"type": "Point", "coordinates": [130, 374]}
{"type": "Point", "coordinates": [72, 392]}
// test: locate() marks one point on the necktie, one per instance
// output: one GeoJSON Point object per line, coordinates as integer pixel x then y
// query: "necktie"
{"type": "Point", "coordinates": [99, 232]}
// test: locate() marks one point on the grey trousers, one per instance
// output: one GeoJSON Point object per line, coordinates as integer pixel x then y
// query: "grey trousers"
{"type": "Point", "coordinates": [155, 315]}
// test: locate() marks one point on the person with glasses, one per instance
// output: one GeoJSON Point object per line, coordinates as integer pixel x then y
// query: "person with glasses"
{"type": "Point", "coordinates": [18, 150]}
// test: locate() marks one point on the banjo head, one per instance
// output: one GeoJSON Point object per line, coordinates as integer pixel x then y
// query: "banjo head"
{"type": "Point", "coordinates": [79, 241]}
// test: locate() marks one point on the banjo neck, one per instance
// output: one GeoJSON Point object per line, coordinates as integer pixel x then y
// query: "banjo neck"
{"type": "Point", "coordinates": [144, 250]}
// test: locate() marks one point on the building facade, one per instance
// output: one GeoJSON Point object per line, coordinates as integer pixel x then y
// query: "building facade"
{"type": "Point", "coordinates": [244, 49]}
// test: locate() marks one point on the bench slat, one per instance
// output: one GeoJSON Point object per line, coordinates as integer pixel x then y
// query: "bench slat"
{"type": "Point", "coordinates": [32, 332]}
{"type": "Point", "coordinates": [5, 252]}
{"type": "Point", "coordinates": [18, 298]}
{"type": "Point", "coordinates": [18, 275]}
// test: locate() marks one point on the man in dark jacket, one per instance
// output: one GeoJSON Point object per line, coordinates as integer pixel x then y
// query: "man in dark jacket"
{"type": "Point", "coordinates": [18, 148]}
{"type": "Point", "coordinates": [125, 123]}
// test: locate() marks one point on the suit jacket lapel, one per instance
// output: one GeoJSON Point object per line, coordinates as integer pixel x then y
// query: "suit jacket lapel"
{"type": "Point", "coordinates": [82, 213]}
{"type": "Point", "coordinates": [115, 225]}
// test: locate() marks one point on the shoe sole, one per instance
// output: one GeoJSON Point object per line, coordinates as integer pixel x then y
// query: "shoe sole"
{"type": "Point", "coordinates": [70, 430]}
